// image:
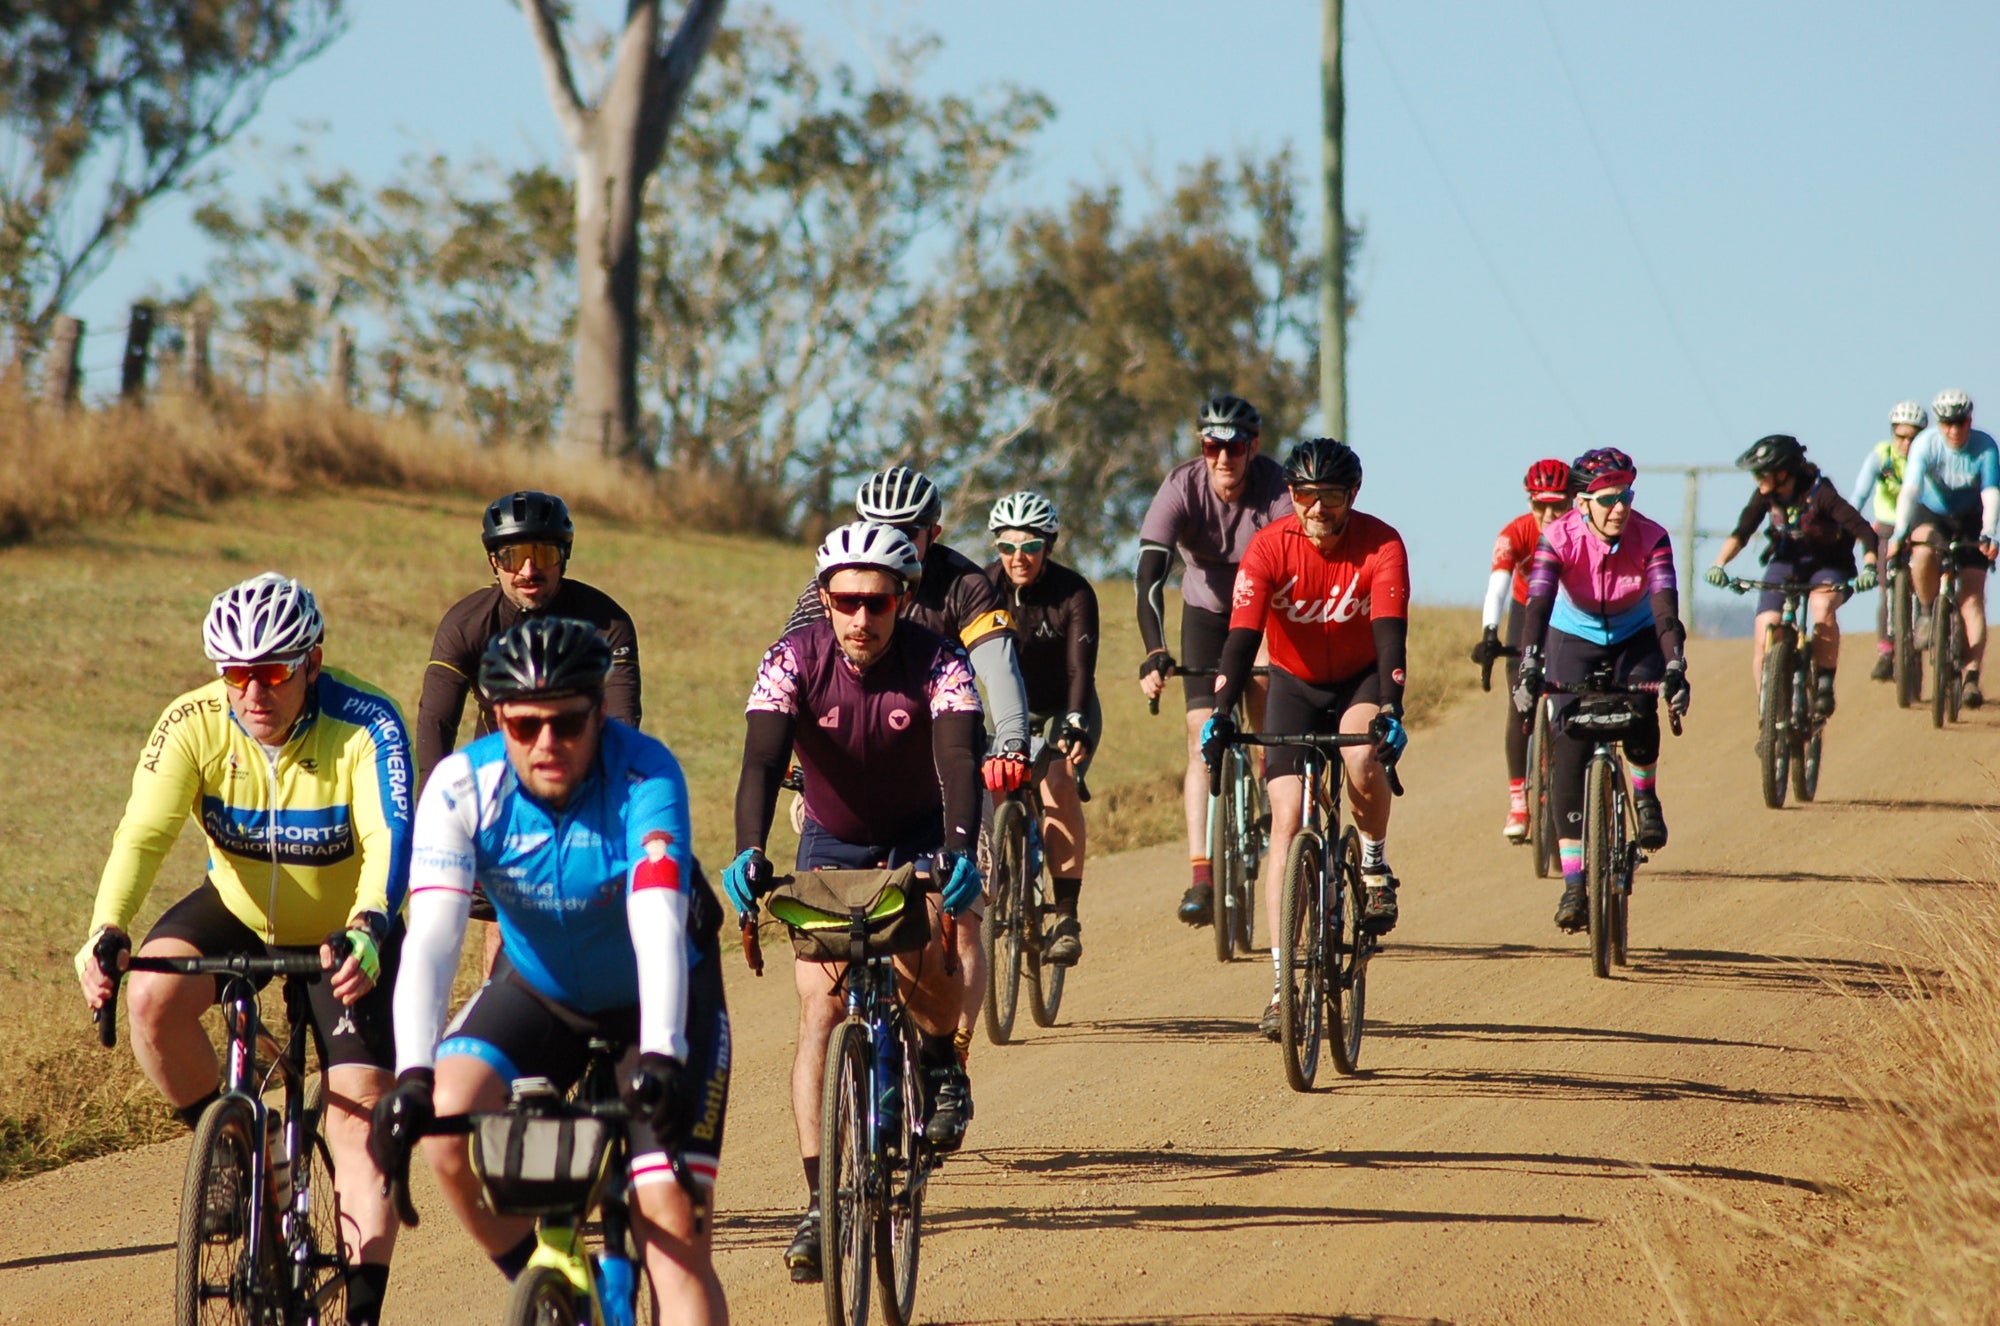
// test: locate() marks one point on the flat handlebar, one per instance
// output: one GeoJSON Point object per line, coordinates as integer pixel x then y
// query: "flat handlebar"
{"type": "Point", "coordinates": [1323, 742]}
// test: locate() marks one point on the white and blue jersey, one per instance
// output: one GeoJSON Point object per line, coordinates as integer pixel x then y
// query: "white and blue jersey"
{"type": "Point", "coordinates": [1951, 481]}
{"type": "Point", "coordinates": [593, 900]}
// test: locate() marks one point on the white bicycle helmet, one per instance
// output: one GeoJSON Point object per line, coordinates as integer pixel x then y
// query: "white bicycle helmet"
{"type": "Point", "coordinates": [1908, 412]}
{"type": "Point", "coordinates": [1951, 405]}
{"type": "Point", "coordinates": [898, 495]}
{"type": "Point", "coordinates": [869, 545]}
{"type": "Point", "coordinates": [267, 616]}
{"type": "Point", "coordinates": [1024, 510]}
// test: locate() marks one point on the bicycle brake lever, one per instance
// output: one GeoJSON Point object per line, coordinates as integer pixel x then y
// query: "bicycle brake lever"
{"type": "Point", "coordinates": [753, 950]}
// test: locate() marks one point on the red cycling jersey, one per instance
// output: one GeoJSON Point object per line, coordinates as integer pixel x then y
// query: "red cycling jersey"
{"type": "Point", "coordinates": [1321, 605]}
{"type": "Point", "coordinates": [1513, 549]}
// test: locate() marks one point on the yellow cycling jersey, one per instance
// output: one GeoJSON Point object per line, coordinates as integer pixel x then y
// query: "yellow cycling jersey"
{"type": "Point", "coordinates": [298, 840]}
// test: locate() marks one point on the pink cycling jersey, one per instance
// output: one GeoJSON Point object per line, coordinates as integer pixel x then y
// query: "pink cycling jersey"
{"type": "Point", "coordinates": [1601, 588]}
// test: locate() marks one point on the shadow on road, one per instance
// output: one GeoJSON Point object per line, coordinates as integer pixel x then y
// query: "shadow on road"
{"type": "Point", "coordinates": [88, 1255]}
{"type": "Point", "coordinates": [1508, 1032]}
{"type": "Point", "coordinates": [1204, 1217]}
{"type": "Point", "coordinates": [1143, 1031]}
{"type": "Point", "coordinates": [1529, 1084]}
{"type": "Point", "coordinates": [1900, 803]}
{"type": "Point", "coordinates": [1796, 877]}
{"type": "Point", "coordinates": [1201, 1319]}
{"type": "Point", "coordinates": [1770, 971]}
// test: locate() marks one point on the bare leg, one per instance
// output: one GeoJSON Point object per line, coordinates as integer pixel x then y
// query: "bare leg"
{"type": "Point", "coordinates": [368, 1219]}
{"type": "Point", "coordinates": [167, 1037]}
{"type": "Point", "coordinates": [1972, 607]}
{"type": "Point", "coordinates": [1760, 640]}
{"type": "Point", "coordinates": [1367, 787]}
{"type": "Point", "coordinates": [819, 1009]}
{"type": "Point", "coordinates": [1062, 831]}
{"type": "Point", "coordinates": [676, 1238]}
{"type": "Point", "coordinates": [467, 1083]}
{"type": "Point", "coordinates": [1194, 787]}
{"type": "Point", "coordinates": [1287, 794]}
{"type": "Point", "coordinates": [1825, 627]}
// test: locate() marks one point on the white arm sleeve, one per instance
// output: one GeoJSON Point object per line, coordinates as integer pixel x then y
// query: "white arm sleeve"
{"type": "Point", "coordinates": [658, 918]}
{"type": "Point", "coordinates": [1989, 511]}
{"type": "Point", "coordinates": [1497, 586]}
{"type": "Point", "coordinates": [441, 871]}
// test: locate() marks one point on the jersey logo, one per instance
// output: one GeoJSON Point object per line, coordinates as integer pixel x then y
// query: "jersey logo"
{"type": "Point", "coordinates": [899, 719]}
{"type": "Point", "coordinates": [657, 869]}
{"type": "Point", "coordinates": [831, 718]}
{"type": "Point", "coordinates": [1244, 592]}
{"type": "Point", "coordinates": [1341, 606]}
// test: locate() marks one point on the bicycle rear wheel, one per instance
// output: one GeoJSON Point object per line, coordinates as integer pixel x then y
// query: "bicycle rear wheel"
{"type": "Point", "coordinates": [1226, 847]}
{"type": "Point", "coordinates": [1959, 653]}
{"type": "Point", "coordinates": [1541, 824]}
{"type": "Point", "coordinates": [1249, 852]}
{"type": "Point", "coordinates": [543, 1296]}
{"type": "Point", "coordinates": [1941, 662]}
{"type": "Point", "coordinates": [1599, 864]}
{"type": "Point", "coordinates": [323, 1282]}
{"type": "Point", "coordinates": [1805, 728]}
{"type": "Point", "coordinates": [1347, 958]}
{"type": "Point", "coordinates": [846, 1178]}
{"type": "Point", "coordinates": [1901, 619]}
{"type": "Point", "coordinates": [1045, 979]}
{"type": "Point", "coordinates": [1006, 919]}
{"type": "Point", "coordinates": [1774, 712]}
{"type": "Point", "coordinates": [1302, 942]}
{"type": "Point", "coordinates": [214, 1281]}
{"type": "Point", "coordinates": [899, 1225]}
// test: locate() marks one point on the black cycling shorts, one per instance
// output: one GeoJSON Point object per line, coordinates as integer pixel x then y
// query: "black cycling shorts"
{"type": "Point", "coordinates": [1297, 705]}
{"type": "Point", "coordinates": [362, 1034]}
{"type": "Point", "coordinates": [1966, 527]}
{"type": "Point", "coordinates": [1202, 634]}
{"type": "Point", "coordinates": [520, 1032]}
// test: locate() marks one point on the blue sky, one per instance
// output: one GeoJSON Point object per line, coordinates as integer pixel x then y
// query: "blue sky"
{"type": "Point", "coordinates": [1667, 228]}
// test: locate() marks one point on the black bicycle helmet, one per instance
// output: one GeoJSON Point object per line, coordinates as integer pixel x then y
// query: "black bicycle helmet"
{"type": "Point", "coordinates": [544, 658]}
{"type": "Point", "coordinates": [1224, 417]}
{"type": "Point", "coordinates": [1323, 461]}
{"type": "Point", "coordinates": [1773, 454]}
{"type": "Point", "coordinates": [527, 517]}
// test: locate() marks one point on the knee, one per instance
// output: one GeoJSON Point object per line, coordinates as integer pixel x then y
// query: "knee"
{"type": "Point", "coordinates": [158, 1003]}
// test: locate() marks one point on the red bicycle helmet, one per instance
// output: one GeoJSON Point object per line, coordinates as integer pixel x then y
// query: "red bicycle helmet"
{"type": "Point", "coordinates": [1547, 481]}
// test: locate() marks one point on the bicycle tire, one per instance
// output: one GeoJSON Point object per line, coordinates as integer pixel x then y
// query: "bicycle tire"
{"type": "Point", "coordinates": [846, 1177]}
{"type": "Point", "coordinates": [1597, 861]}
{"type": "Point", "coordinates": [1959, 652]}
{"type": "Point", "coordinates": [1347, 979]}
{"type": "Point", "coordinates": [1005, 920]}
{"type": "Point", "coordinates": [1045, 979]}
{"type": "Point", "coordinates": [1774, 708]}
{"type": "Point", "coordinates": [899, 1223]}
{"type": "Point", "coordinates": [1626, 853]}
{"type": "Point", "coordinates": [1226, 849]}
{"type": "Point", "coordinates": [1248, 852]}
{"type": "Point", "coordinates": [1940, 653]}
{"type": "Point", "coordinates": [1804, 729]}
{"type": "Point", "coordinates": [325, 1255]}
{"type": "Point", "coordinates": [1541, 827]}
{"type": "Point", "coordinates": [1301, 943]}
{"type": "Point", "coordinates": [1904, 666]}
{"type": "Point", "coordinates": [213, 1280]}
{"type": "Point", "coordinates": [544, 1296]}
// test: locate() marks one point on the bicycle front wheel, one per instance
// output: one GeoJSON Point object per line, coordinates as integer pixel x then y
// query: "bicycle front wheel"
{"type": "Point", "coordinates": [1774, 712]}
{"type": "Point", "coordinates": [1226, 848]}
{"type": "Point", "coordinates": [1347, 958]}
{"type": "Point", "coordinates": [899, 1224]}
{"type": "Point", "coordinates": [318, 1257]}
{"type": "Point", "coordinates": [1541, 825]}
{"type": "Point", "coordinates": [1248, 851]}
{"type": "Point", "coordinates": [543, 1296]}
{"type": "Point", "coordinates": [1006, 919]}
{"type": "Point", "coordinates": [1941, 662]}
{"type": "Point", "coordinates": [846, 1177]}
{"type": "Point", "coordinates": [1599, 860]}
{"type": "Point", "coordinates": [1302, 942]}
{"type": "Point", "coordinates": [215, 1281]}
{"type": "Point", "coordinates": [1901, 622]}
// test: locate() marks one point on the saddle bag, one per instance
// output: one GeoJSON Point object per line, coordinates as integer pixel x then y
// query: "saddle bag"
{"type": "Point", "coordinates": [818, 906]}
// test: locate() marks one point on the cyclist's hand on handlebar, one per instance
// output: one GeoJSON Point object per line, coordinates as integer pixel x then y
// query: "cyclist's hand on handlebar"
{"type": "Point", "coordinates": [1718, 577]}
{"type": "Point", "coordinates": [1153, 673]}
{"type": "Point", "coordinates": [1215, 735]}
{"type": "Point", "coordinates": [1007, 771]}
{"type": "Point", "coordinates": [958, 881]}
{"type": "Point", "coordinates": [1864, 580]}
{"type": "Point", "coordinates": [354, 955]}
{"type": "Point", "coordinates": [747, 876]}
{"type": "Point", "coordinates": [1528, 684]}
{"type": "Point", "coordinates": [1674, 688]}
{"type": "Point", "coordinates": [1073, 740]}
{"type": "Point", "coordinates": [660, 1093]}
{"type": "Point", "coordinates": [1987, 548]}
{"type": "Point", "coordinates": [1390, 738]}
{"type": "Point", "coordinates": [1489, 647]}
{"type": "Point", "coordinates": [98, 983]}
{"type": "Point", "coordinates": [401, 1117]}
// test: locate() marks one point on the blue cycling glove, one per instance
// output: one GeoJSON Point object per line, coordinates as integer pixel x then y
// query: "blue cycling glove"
{"type": "Point", "coordinates": [961, 883]}
{"type": "Point", "coordinates": [1215, 735]}
{"type": "Point", "coordinates": [746, 877]}
{"type": "Point", "coordinates": [1390, 738]}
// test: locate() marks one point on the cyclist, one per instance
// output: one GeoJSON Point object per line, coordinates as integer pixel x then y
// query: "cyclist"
{"type": "Point", "coordinates": [1207, 510]}
{"type": "Point", "coordinates": [528, 536]}
{"type": "Point", "coordinates": [955, 600]}
{"type": "Point", "coordinates": [1812, 536]}
{"type": "Point", "coordinates": [577, 826]}
{"type": "Point", "coordinates": [884, 717]}
{"type": "Point", "coordinates": [1332, 586]}
{"type": "Point", "coordinates": [1601, 587]}
{"type": "Point", "coordinates": [1876, 490]}
{"type": "Point", "coordinates": [1547, 482]}
{"type": "Point", "coordinates": [1951, 485]}
{"type": "Point", "coordinates": [301, 775]}
{"type": "Point", "coordinates": [1055, 619]}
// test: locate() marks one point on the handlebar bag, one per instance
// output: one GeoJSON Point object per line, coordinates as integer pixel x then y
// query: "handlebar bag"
{"type": "Point", "coordinates": [541, 1164]}
{"type": "Point", "coordinates": [818, 907]}
{"type": "Point", "coordinates": [1606, 717]}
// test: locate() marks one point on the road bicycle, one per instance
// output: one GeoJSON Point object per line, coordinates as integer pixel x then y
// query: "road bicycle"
{"type": "Point", "coordinates": [558, 1160]}
{"type": "Point", "coordinates": [259, 1235]}
{"type": "Point", "coordinates": [1541, 839]}
{"type": "Point", "coordinates": [1605, 714]}
{"type": "Point", "coordinates": [1948, 650]}
{"type": "Point", "coordinates": [1019, 909]}
{"type": "Point", "coordinates": [1789, 734]}
{"type": "Point", "coordinates": [1323, 968]}
{"type": "Point", "coordinates": [1239, 834]}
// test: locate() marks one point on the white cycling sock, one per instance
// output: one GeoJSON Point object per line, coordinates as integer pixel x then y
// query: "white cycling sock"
{"type": "Point", "coordinates": [1373, 851]}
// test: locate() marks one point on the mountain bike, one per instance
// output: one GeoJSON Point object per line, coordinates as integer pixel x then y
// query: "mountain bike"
{"type": "Point", "coordinates": [1948, 649]}
{"type": "Point", "coordinates": [1541, 839]}
{"type": "Point", "coordinates": [1018, 910]}
{"type": "Point", "coordinates": [1789, 734]}
{"type": "Point", "coordinates": [1323, 970]}
{"type": "Point", "coordinates": [1239, 833]}
{"type": "Point", "coordinates": [1604, 714]}
{"type": "Point", "coordinates": [259, 1236]}
{"type": "Point", "coordinates": [557, 1160]}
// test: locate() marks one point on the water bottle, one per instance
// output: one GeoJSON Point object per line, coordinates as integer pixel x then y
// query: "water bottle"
{"type": "Point", "coordinates": [1034, 849]}
{"type": "Point", "coordinates": [277, 1159]}
{"type": "Point", "coordinates": [617, 1286]}
{"type": "Point", "coordinates": [889, 1097]}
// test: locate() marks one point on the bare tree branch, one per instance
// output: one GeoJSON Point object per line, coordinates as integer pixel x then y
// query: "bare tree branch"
{"type": "Point", "coordinates": [546, 28]}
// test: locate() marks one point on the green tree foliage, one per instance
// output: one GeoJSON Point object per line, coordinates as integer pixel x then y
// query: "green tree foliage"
{"type": "Point", "coordinates": [106, 105]}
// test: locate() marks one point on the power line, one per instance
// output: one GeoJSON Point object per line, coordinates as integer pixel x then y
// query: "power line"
{"type": "Point", "coordinates": [1631, 228]}
{"type": "Point", "coordinates": [1465, 217]}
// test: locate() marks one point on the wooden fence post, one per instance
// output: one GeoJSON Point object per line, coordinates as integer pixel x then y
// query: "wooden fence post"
{"type": "Point", "coordinates": [65, 362]}
{"type": "Point", "coordinates": [340, 375]}
{"type": "Point", "coordinates": [138, 346]}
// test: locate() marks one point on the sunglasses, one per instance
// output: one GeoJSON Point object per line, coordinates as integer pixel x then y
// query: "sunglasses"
{"type": "Point", "coordinates": [1554, 504]}
{"type": "Point", "coordinates": [853, 605]}
{"type": "Point", "coordinates": [1029, 546]}
{"type": "Point", "coordinates": [1608, 500]}
{"type": "Point", "coordinates": [1213, 448]}
{"type": "Point", "coordinates": [527, 728]}
{"type": "Point", "coordinates": [1328, 495]}
{"type": "Point", "coordinates": [238, 676]}
{"type": "Point", "coordinates": [545, 556]}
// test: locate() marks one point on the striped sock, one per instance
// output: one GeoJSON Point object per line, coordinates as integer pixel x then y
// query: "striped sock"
{"type": "Point", "coordinates": [1204, 871]}
{"type": "Point", "coordinates": [1643, 778]}
{"type": "Point", "coordinates": [1571, 852]}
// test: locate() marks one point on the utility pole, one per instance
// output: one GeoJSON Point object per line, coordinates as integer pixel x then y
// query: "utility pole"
{"type": "Point", "coordinates": [1333, 239]}
{"type": "Point", "coordinates": [1691, 530]}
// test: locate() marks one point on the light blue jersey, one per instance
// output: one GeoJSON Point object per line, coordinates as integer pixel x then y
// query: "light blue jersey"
{"type": "Point", "coordinates": [1947, 480]}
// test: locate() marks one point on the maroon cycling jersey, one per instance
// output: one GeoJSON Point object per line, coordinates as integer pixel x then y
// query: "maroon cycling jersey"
{"type": "Point", "coordinates": [863, 739]}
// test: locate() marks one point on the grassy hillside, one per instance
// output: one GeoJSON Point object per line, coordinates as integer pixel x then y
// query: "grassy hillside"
{"type": "Point", "coordinates": [99, 628]}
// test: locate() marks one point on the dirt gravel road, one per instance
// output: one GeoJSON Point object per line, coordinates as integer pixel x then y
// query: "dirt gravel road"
{"type": "Point", "coordinates": [1145, 1162]}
